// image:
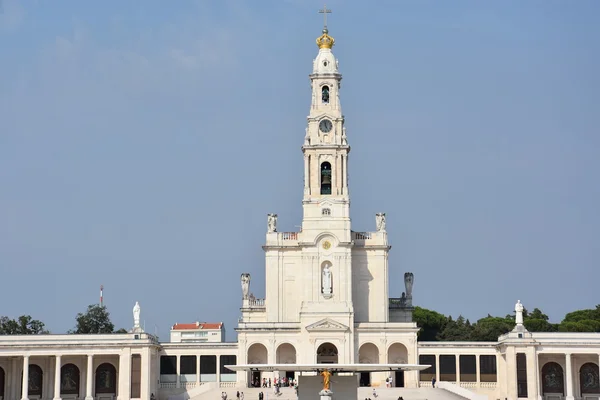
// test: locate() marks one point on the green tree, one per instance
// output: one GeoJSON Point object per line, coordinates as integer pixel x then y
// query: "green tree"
{"type": "Point", "coordinates": [459, 330]}
{"type": "Point", "coordinates": [489, 328]}
{"type": "Point", "coordinates": [581, 321]}
{"type": "Point", "coordinates": [430, 322]}
{"type": "Point", "coordinates": [121, 330]}
{"type": "Point", "coordinates": [95, 320]}
{"type": "Point", "coordinates": [537, 321]}
{"type": "Point", "coordinates": [24, 325]}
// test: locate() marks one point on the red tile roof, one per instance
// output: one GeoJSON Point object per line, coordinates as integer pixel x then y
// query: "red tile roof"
{"type": "Point", "coordinates": [197, 325]}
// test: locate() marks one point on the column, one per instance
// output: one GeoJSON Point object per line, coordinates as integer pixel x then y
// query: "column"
{"type": "Point", "coordinates": [178, 368]}
{"type": "Point", "coordinates": [197, 370]}
{"type": "Point", "coordinates": [437, 367]}
{"type": "Point", "coordinates": [457, 361]}
{"type": "Point", "coordinates": [25, 382]}
{"type": "Point", "coordinates": [306, 175]}
{"type": "Point", "coordinates": [14, 380]}
{"type": "Point", "coordinates": [511, 373]}
{"type": "Point", "coordinates": [218, 369]}
{"type": "Point", "coordinates": [57, 366]}
{"type": "Point", "coordinates": [346, 174]}
{"type": "Point", "coordinates": [124, 392]}
{"type": "Point", "coordinates": [477, 371]}
{"type": "Point", "coordinates": [532, 386]}
{"type": "Point", "coordinates": [569, 377]}
{"type": "Point", "coordinates": [145, 374]}
{"type": "Point", "coordinates": [89, 380]}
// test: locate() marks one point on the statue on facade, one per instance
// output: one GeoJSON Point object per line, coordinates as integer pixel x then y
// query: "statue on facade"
{"type": "Point", "coordinates": [245, 278]}
{"type": "Point", "coordinates": [136, 317]}
{"type": "Point", "coordinates": [380, 222]}
{"type": "Point", "coordinates": [271, 223]}
{"type": "Point", "coordinates": [519, 313]}
{"type": "Point", "coordinates": [326, 280]}
{"type": "Point", "coordinates": [409, 278]}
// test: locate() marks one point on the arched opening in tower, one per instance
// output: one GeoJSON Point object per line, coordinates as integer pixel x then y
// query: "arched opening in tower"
{"type": "Point", "coordinates": [325, 178]}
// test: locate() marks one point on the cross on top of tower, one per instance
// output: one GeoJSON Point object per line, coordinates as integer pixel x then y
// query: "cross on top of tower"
{"type": "Point", "coordinates": [324, 11]}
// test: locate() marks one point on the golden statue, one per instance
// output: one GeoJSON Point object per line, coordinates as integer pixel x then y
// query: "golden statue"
{"type": "Point", "coordinates": [326, 375]}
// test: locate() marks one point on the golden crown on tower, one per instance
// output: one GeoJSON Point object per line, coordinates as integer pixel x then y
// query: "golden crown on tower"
{"type": "Point", "coordinates": [325, 41]}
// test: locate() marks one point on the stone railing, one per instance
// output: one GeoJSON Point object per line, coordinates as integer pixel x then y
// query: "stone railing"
{"type": "Point", "coordinates": [361, 235]}
{"type": "Point", "coordinates": [400, 302]}
{"type": "Point", "coordinates": [257, 303]}
{"type": "Point", "coordinates": [288, 235]}
{"type": "Point", "coordinates": [227, 384]}
{"type": "Point", "coordinates": [468, 385]}
{"type": "Point", "coordinates": [487, 385]}
{"type": "Point", "coordinates": [168, 385]}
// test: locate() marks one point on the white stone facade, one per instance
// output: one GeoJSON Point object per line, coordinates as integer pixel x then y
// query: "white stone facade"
{"type": "Point", "coordinates": [327, 302]}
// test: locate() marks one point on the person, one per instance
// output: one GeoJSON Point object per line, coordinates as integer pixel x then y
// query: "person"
{"type": "Point", "coordinates": [387, 382]}
{"type": "Point", "coordinates": [374, 393]}
{"type": "Point", "coordinates": [433, 382]}
{"type": "Point", "coordinates": [237, 395]}
{"type": "Point", "coordinates": [261, 396]}
{"type": "Point", "coordinates": [242, 396]}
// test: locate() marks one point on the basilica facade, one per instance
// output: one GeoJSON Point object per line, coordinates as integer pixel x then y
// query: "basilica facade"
{"type": "Point", "coordinates": [327, 302]}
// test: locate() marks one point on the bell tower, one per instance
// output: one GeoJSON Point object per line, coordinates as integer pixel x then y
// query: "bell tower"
{"type": "Point", "coordinates": [326, 201]}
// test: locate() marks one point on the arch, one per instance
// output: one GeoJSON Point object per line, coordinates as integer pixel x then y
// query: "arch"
{"type": "Point", "coordinates": [553, 380]}
{"type": "Point", "coordinates": [325, 178]}
{"type": "Point", "coordinates": [325, 94]}
{"type": "Point", "coordinates": [286, 354]}
{"type": "Point", "coordinates": [397, 353]}
{"type": "Point", "coordinates": [368, 353]}
{"type": "Point", "coordinates": [36, 380]}
{"type": "Point", "coordinates": [258, 354]}
{"type": "Point", "coordinates": [327, 353]}
{"type": "Point", "coordinates": [69, 379]}
{"type": "Point", "coordinates": [106, 379]}
{"type": "Point", "coordinates": [589, 381]}
{"type": "Point", "coordinates": [2, 376]}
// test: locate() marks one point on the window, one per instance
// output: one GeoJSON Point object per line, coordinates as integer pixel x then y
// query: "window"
{"type": "Point", "coordinates": [325, 94]}
{"type": "Point", "coordinates": [325, 178]}
{"type": "Point", "coordinates": [326, 212]}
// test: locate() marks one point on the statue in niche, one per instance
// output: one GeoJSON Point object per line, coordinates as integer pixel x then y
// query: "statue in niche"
{"type": "Point", "coordinates": [136, 316]}
{"type": "Point", "coordinates": [380, 222]}
{"type": "Point", "coordinates": [271, 223]}
{"type": "Point", "coordinates": [245, 285]}
{"type": "Point", "coordinates": [519, 313]}
{"type": "Point", "coordinates": [409, 278]}
{"type": "Point", "coordinates": [326, 280]}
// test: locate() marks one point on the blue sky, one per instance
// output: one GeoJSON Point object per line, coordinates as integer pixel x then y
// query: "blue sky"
{"type": "Point", "coordinates": [143, 144]}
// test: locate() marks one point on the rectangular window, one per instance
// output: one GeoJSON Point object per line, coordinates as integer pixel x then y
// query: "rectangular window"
{"type": "Point", "coordinates": [187, 365]}
{"type": "Point", "coordinates": [168, 365]}
{"type": "Point", "coordinates": [429, 373]}
{"type": "Point", "coordinates": [136, 376]}
{"type": "Point", "coordinates": [208, 368]}
{"type": "Point", "coordinates": [521, 375]}
{"type": "Point", "coordinates": [487, 368]}
{"type": "Point", "coordinates": [468, 368]}
{"type": "Point", "coordinates": [448, 367]}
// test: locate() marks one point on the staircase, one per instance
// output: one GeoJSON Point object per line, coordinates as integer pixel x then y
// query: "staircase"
{"type": "Point", "coordinates": [363, 393]}
{"type": "Point", "coordinates": [384, 393]}
{"type": "Point", "coordinates": [249, 394]}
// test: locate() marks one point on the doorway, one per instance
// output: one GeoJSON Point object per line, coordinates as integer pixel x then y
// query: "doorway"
{"type": "Point", "coordinates": [255, 382]}
{"type": "Point", "coordinates": [399, 378]}
{"type": "Point", "coordinates": [365, 379]}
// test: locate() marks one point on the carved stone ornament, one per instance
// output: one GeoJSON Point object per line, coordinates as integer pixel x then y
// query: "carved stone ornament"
{"type": "Point", "coordinates": [327, 324]}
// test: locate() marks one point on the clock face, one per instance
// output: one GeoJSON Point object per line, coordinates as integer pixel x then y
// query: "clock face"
{"type": "Point", "coordinates": [325, 126]}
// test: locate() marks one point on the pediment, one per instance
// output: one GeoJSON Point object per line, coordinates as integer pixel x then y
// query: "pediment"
{"type": "Point", "coordinates": [327, 324]}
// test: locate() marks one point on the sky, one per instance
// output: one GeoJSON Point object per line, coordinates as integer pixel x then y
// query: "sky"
{"type": "Point", "coordinates": [142, 145]}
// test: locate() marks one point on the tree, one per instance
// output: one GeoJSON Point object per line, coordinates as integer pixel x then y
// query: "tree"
{"type": "Point", "coordinates": [537, 321]}
{"type": "Point", "coordinates": [459, 330]}
{"type": "Point", "coordinates": [95, 320]}
{"type": "Point", "coordinates": [489, 328]}
{"type": "Point", "coordinates": [24, 325]}
{"type": "Point", "coordinates": [121, 330]}
{"type": "Point", "coordinates": [430, 322]}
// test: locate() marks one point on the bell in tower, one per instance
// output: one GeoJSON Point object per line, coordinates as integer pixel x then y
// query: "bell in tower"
{"type": "Point", "coordinates": [325, 178]}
